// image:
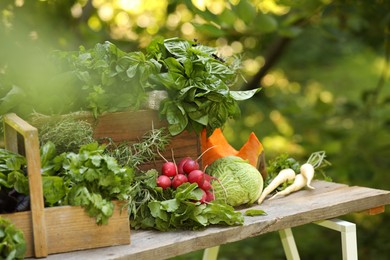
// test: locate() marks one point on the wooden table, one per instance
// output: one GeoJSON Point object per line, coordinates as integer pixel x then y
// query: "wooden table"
{"type": "Point", "coordinates": [327, 201]}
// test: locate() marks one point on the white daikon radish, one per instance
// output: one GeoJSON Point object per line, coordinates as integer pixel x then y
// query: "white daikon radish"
{"type": "Point", "coordinates": [299, 182]}
{"type": "Point", "coordinates": [284, 175]}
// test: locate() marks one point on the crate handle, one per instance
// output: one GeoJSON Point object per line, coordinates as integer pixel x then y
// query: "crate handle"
{"type": "Point", "coordinates": [12, 126]}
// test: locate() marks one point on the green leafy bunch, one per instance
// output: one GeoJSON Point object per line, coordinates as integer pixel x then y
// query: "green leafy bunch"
{"type": "Point", "coordinates": [110, 79]}
{"type": "Point", "coordinates": [12, 242]}
{"type": "Point", "coordinates": [198, 84]}
{"type": "Point", "coordinates": [152, 207]}
{"type": "Point", "coordinates": [12, 175]}
{"type": "Point", "coordinates": [89, 178]}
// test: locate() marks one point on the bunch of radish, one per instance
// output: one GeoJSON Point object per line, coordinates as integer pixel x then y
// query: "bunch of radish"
{"type": "Point", "coordinates": [187, 170]}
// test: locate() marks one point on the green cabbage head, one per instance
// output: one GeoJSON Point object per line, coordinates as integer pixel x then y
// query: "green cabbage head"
{"type": "Point", "coordinates": [240, 182]}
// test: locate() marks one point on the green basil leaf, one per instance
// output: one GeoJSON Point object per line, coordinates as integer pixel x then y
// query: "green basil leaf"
{"type": "Point", "coordinates": [176, 117]}
{"type": "Point", "coordinates": [132, 70]}
{"type": "Point", "coordinates": [174, 67]}
{"type": "Point", "coordinates": [218, 68]}
{"type": "Point", "coordinates": [199, 116]}
{"type": "Point", "coordinates": [177, 47]}
{"type": "Point", "coordinates": [243, 95]}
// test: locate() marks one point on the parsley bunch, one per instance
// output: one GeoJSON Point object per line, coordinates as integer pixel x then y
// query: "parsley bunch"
{"type": "Point", "coordinates": [89, 178]}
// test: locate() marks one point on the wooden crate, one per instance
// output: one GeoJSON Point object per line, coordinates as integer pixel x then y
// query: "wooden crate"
{"type": "Point", "coordinates": [57, 229]}
{"type": "Point", "coordinates": [130, 126]}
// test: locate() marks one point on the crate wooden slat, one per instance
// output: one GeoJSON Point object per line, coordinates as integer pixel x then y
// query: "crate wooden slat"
{"type": "Point", "coordinates": [328, 200]}
{"type": "Point", "coordinates": [57, 229]}
{"type": "Point", "coordinates": [13, 125]}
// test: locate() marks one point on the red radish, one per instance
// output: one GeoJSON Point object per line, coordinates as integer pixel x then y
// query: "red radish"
{"type": "Point", "coordinates": [169, 169]}
{"type": "Point", "coordinates": [181, 163]}
{"type": "Point", "coordinates": [207, 177]}
{"type": "Point", "coordinates": [209, 196]}
{"type": "Point", "coordinates": [206, 185]}
{"type": "Point", "coordinates": [204, 197]}
{"type": "Point", "coordinates": [164, 181]}
{"type": "Point", "coordinates": [190, 165]}
{"type": "Point", "coordinates": [196, 176]}
{"type": "Point", "coordinates": [179, 180]}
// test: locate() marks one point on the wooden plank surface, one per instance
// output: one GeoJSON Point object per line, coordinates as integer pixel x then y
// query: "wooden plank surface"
{"type": "Point", "coordinates": [328, 200]}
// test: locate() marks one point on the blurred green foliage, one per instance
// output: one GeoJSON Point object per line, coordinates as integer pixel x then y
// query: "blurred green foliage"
{"type": "Point", "coordinates": [323, 67]}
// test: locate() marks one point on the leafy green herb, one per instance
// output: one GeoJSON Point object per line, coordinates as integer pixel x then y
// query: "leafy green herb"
{"type": "Point", "coordinates": [108, 78]}
{"type": "Point", "coordinates": [89, 178]}
{"type": "Point", "coordinates": [93, 179]}
{"type": "Point", "coordinates": [153, 207]}
{"type": "Point", "coordinates": [198, 85]}
{"type": "Point", "coordinates": [12, 242]}
{"type": "Point", "coordinates": [198, 82]}
{"type": "Point", "coordinates": [12, 172]}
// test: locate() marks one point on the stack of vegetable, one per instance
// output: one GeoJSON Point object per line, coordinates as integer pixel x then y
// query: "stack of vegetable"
{"type": "Point", "coordinates": [197, 81]}
{"type": "Point", "coordinates": [181, 196]}
{"type": "Point", "coordinates": [186, 171]}
{"type": "Point", "coordinates": [286, 175]}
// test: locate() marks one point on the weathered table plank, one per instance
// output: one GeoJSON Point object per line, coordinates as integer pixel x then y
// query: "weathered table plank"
{"type": "Point", "coordinates": [328, 200]}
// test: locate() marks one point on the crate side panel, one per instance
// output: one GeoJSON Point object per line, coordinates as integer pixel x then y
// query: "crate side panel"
{"type": "Point", "coordinates": [77, 231]}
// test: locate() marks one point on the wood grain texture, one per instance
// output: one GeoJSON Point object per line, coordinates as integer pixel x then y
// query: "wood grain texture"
{"type": "Point", "coordinates": [328, 200]}
{"type": "Point", "coordinates": [70, 229]}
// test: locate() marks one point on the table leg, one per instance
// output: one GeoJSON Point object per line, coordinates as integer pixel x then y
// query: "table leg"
{"type": "Point", "coordinates": [210, 253]}
{"type": "Point", "coordinates": [288, 242]}
{"type": "Point", "coordinates": [348, 236]}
